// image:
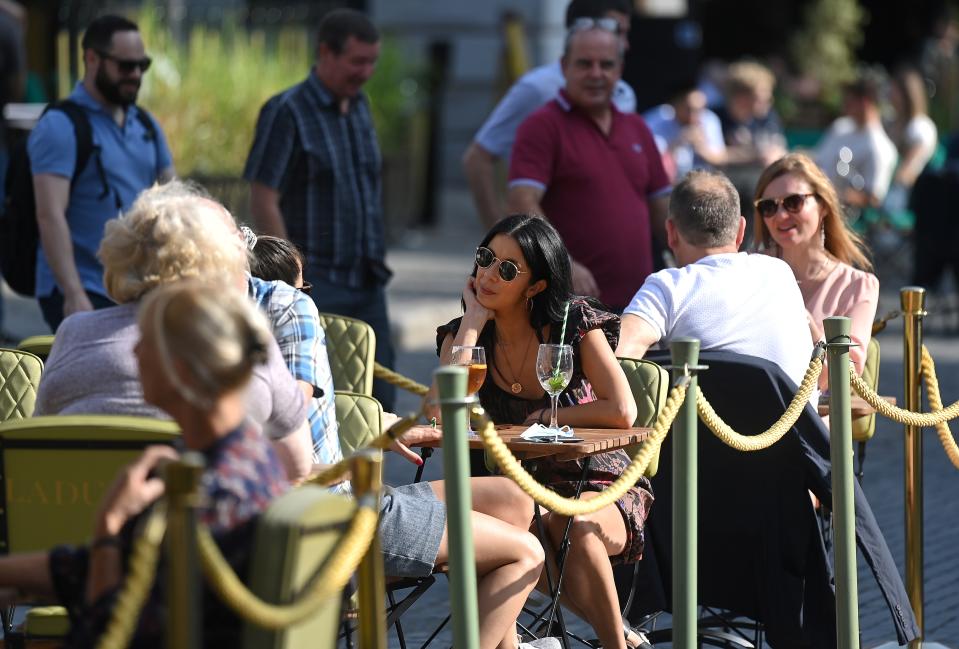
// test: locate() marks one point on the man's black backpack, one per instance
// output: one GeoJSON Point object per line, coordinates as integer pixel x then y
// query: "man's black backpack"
{"type": "Point", "coordinates": [18, 222]}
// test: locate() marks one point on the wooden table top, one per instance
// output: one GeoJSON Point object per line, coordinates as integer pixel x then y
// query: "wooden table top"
{"type": "Point", "coordinates": [859, 406]}
{"type": "Point", "coordinates": [595, 440]}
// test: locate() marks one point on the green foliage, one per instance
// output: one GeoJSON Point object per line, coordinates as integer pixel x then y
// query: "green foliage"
{"type": "Point", "coordinates": [208, 91]}
{"type": "Point", "coordinates": [825, 47]}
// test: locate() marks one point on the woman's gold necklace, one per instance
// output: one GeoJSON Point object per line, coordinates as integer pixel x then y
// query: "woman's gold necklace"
{"type": "Point", "coordinates": [516, 387]}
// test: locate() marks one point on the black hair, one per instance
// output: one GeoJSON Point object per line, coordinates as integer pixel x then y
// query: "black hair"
{"type": "Point", "coordinates": [867, 85]}
{"type": "Point", "coordinates": [338, 25]}
{"type": "Point", "coordinates": [546, 258]}
{"type": "Point", "coordinates": [273, 259]}
{"type": "Point", "coordinates": [99, 33]}
{"type": "Point", "coordinates": [595, 9]}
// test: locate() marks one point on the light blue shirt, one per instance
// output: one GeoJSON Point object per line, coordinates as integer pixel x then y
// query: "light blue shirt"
{"type": "Point", "coordinates": [662, 122]}
{"type": "Point", "coordinates": [131, 161]}
{"type": "Point", "coordinates": [534, 89]}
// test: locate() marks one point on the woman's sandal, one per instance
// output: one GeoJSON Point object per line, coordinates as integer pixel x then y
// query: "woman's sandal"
{"type": "Point", "coordinates": [636, 639]}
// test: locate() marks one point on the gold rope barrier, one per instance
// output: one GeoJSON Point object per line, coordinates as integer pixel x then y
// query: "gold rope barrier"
{"type": "Point", "coordinates": [399, 380]}
{"type": "Point", "coordinates": [774, 433]}
{"type": "Point", "coordinates": [900, 415]}
{"type": "Point", "coordinates": [143, 562]}
{"type": "Point", "coordinates": [336, 572]}
{"type": "Point", "coordinates": [338, 470]}
{"type": "Point", "coordinates": [512, 468]}
{"type": "Point", "coordinates": [928, 369]}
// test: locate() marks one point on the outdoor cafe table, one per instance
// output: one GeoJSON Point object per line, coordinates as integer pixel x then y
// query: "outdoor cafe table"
{"type": "Point", "coordinates": [859, 406]}
{"type": "Point", "coordinates": [595, 441]}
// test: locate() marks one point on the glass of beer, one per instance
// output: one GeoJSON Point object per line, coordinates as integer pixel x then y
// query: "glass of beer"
{"type": "Point", "coordinates": [474, 359]}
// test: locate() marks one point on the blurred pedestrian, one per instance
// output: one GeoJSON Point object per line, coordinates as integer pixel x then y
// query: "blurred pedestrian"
{"type": "Point", "coordinates": [315, 179]}
{"type": "Point", "coordinates": [13, 77]}
{"type": "Point", "coordinates": [913, 132]}
{"type": "Point", "coordinates": [856, 154]}
{"type": "Point", "coordinates": [495, 138]}
{"type": "Point", "coordinates": [751, 127]}
{"type": "Point", "coordinates": [593, 171]}
{"type": "Point", "coordinates": [687, 133]}
{"type": "Point", "coordinates": [129, 154]}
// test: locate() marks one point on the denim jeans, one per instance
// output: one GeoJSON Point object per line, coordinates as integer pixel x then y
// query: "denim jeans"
{"type": "Point", "coordinates": [369, 305]}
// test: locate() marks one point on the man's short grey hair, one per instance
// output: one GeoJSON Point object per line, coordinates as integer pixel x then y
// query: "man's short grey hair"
{"type": "Point", "coordinates": [705, 208]}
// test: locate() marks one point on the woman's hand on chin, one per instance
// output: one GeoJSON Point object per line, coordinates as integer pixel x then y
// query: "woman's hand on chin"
{"type": "Point", "coordinates": [476, 313]}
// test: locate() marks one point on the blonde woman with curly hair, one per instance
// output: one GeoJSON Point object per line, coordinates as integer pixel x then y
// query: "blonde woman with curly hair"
{"type": "Point", "coordinates": [799, 219]}
{"type": "Point", "coordinates": [169, 234]}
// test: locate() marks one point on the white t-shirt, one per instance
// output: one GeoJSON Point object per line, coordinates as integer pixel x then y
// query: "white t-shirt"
{"type": "Point", "coordinates": [534, 89]}
{"type": "Point", "coordinates": [873, 157]}
{"type": "Point", "coordinates": [921, 132]}
{"type": "Point", "coordinates": [733, 302]}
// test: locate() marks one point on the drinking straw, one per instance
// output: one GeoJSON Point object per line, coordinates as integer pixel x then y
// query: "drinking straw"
{"type": "Point", "coordinates": [562, 333]}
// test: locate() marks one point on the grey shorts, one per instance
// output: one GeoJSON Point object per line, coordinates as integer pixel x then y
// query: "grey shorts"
{"type": "Point", "coordinates": [412, 520]}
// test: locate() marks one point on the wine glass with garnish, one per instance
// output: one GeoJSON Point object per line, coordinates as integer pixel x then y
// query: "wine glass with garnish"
{"type": "Point", "coordinates": [554, 369]}
{"type": "Point", "coordinates": [474, 359]}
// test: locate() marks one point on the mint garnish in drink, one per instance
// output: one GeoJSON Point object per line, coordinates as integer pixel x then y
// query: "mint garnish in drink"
{"type": "Point", "coordinates": [556, 383]}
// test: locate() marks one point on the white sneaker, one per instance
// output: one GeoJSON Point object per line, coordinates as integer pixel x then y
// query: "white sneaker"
{"type": "Point", "coordinates": [542, 643]}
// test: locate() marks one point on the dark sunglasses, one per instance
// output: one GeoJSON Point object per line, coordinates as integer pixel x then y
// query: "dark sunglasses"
{"type": "Point", "coordinates": [127, 66]}
{"type": "Point", "coordinates": [606, 24]}
{"type": "Point", "coordinates": [507, 269]}
{"type": "Point", "coordinates": [767, 207]}
{"type": "Point", "coordinates": [306, 288]}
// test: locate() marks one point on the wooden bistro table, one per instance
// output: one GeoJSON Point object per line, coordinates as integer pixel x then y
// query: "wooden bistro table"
{"type": "Point", "coordinates": [594, 441]}
{"type": "Point", "coordinates": [859, 406]}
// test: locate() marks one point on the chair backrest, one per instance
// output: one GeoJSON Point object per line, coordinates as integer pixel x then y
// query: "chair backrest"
{"type": "Point", "coordinates": [39, 345]}
{"type": "Point", "coordinates": [54, 470]}
{"type": "Point", "coordinates": [350, 344]}
{"type": "Point", "coordinates": [19, 378]}
{"type": "Point", "coordinates": [864, 428]}
{"type": "Point", "coordinates": [649, 383]}
{"type": "Point", "coordinates": [293, 539]}
{"type": "Point", "coordinates": [359, 419]}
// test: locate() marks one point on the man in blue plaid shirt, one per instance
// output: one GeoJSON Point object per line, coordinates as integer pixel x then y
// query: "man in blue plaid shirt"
{"type": "Point", "coordinates": [314, 172]}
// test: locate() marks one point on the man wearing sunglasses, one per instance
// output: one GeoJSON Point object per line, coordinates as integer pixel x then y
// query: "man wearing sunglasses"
{"type": "Point", "coordinates": [79, 187]}
{"type": "Point", "coordinates": [594, 172]}
{"type": "Point", "coordinates": [495, 138]}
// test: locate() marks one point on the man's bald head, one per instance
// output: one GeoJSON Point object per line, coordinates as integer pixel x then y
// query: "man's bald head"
{"type": "Point", "coordinates": [704, 206]}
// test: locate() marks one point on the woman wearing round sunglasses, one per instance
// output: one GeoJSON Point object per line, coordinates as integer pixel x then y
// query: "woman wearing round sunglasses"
{"type": "Point", "coordinates": [514, 300]}
{"type": "Point", "coordinates": [798, 218]}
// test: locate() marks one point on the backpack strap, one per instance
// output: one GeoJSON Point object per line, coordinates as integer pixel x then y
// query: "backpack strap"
{"type": "Point", "coordinates": [149, 126]}
{"type": "Point", "coordinates": [83, 131]}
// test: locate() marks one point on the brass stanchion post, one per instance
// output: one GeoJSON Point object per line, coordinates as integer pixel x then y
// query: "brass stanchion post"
{"type": "Point", "coordinates": [843, 494]}
{"type": "Point", "coordinates": [183, 571]}
{"type": "Point", "coordinates": [451, 382]}
{"type": "Point", "coordinates": [913, 300]}
{"type": "Point", "coordinates": [367, 481]}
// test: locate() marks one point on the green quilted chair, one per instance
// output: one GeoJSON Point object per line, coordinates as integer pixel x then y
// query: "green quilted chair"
{"type": "Point", "coordinates": [39, 345]}
{"type": "Point", "coordinates": [359, 418]}
{"type": "Point", "coordinates": [864, 428]}
{"type": "Point", "coordinates": [293, 539]}
{"type": "Point", "coordinates": [54, 471]}
{"type": "Point", "coordinates": [350, 344]}
{"type": "Point", "coordinates": [19, 377]}
{"type": "Point", "coordinates": [650, 385]}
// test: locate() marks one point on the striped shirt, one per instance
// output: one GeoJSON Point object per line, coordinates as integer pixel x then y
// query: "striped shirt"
{"type": "Point", "coordinates": [326, 167]}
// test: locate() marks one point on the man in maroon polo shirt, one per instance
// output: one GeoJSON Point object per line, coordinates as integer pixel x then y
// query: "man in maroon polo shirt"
{"type": "Point", "coordinates": [593, 171]}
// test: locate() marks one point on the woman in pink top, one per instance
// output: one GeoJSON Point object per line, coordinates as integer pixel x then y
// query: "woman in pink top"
{"type": "Point", "coordinates": [798, 218]}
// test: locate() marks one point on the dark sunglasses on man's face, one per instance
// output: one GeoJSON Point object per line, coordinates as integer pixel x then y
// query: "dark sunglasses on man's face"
{"type": "Point", "coordinates": [306, 288]}
{"type": "Point", "coordinates": [507, 269]}
{"type": "Point", "coordinates": [127, 66]}
{"type": "Point", "coordinates": [767, 207]}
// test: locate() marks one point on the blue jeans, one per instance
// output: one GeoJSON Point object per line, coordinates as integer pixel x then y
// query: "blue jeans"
{"type": "Point", "coordinates": [51, 306]}
{"type": "Point", "coordinates": [366, 304]}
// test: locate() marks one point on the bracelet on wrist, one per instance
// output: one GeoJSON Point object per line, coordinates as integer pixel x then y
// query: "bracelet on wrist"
{"type": "Point", "coordinates": [542, 411]}
{"type": "Point", "coordinates": [107, 541]}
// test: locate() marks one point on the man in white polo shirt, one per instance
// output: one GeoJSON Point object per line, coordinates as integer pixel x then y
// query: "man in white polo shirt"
{"type": "Point", "coordinates": [731, 301]}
